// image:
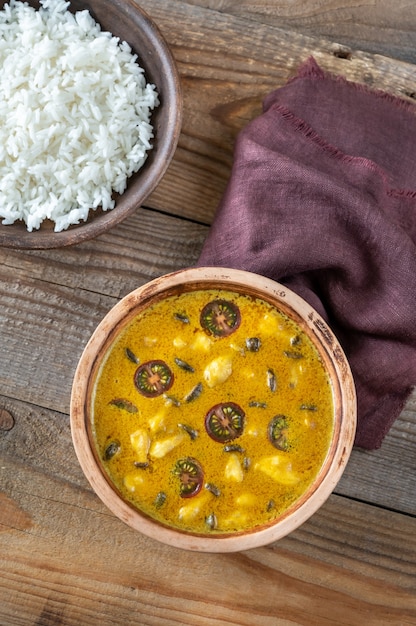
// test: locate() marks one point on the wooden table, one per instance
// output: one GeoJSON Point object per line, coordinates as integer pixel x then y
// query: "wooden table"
{"type": "Point", "coordinates": [64, 558]}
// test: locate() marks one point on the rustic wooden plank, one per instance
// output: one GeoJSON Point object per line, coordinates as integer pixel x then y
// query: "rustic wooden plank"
{"type": "Point", "coordinates": [380, 27]}
{"type": "Point", "coordinates": [227, 67]}
{"type": "Point", "coordinates": [43, 328]}
{"type": "Point", "coordinates": [348, 564]}
{"type": "Point", "coordinates": [389, 470]}
{"type": "Point", "coordinates": [144, 246]}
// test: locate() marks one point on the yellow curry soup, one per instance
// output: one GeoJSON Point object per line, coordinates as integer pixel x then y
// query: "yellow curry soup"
{"type": "Point", "coordinates": [212, 411]}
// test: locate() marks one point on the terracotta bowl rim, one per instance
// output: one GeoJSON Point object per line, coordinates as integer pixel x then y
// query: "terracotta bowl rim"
{"type": "Point", "coordinates": [287, 300]}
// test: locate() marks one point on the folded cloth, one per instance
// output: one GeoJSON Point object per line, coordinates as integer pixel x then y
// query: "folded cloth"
{"type": "Point", "coordinates": [322, 198]}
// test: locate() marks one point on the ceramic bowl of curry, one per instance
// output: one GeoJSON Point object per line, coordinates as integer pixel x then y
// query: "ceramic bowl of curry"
{"type": "Point", "coordinates": [213, 410]}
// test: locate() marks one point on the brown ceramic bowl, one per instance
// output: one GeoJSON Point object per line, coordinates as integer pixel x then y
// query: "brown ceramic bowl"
{"type": "Point", "coordinates": [331, 354]}
{"type": "Point", "coordinates": [126, 20]}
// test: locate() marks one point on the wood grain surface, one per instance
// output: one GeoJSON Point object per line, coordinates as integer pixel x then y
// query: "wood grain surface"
{"type": "Point", "coordinates": [64, 558]}
{"type": "Point", "coordinates": [379, 27]}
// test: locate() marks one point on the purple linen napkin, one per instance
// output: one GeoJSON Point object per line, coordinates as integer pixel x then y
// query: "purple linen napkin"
{"type": "Point", "coordinates": [322, 198]}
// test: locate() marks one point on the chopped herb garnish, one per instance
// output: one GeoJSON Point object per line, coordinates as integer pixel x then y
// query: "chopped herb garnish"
{"type": "Point", "coordinates": [111, 450]}
{"type": "Point", "coordinates": [181, 317]}
{"type": "Point", "coordinates": [122, 403]}
{"type": "Point", "coordinates": [194, 393]}
{"type": "Point", "coordinates": [253, 344]}
{"type": "Point", "coordinates": [271, 380]}
{"type": "Point", "coordinates": [189, 431]}
{"type": "Point", "coordinates": [293, 355]}
{"type": "Point", "coordinates": [131, 356]}
{"type": "Point", "coordinates": [184, 365]}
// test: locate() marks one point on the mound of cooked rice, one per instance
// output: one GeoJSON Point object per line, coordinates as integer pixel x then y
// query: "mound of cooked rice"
{"type": "Point", "coordinates": [75, 114]}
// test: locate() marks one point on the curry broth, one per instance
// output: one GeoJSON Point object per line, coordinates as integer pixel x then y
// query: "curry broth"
{"type": "Point", "coordinates": [161, 451]}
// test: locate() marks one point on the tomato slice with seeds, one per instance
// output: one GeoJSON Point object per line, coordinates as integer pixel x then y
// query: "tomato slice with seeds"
{"type": "Point", "coordinates": [191, 476]}
{"type": "Point", "coordinates": [153, 378]}
{"type": "Point", "coordinates": [225, 422]}
{"type": "Point", "coordinates": [277, 432]}
{"type": "Point", "coordinates": [220, 318]}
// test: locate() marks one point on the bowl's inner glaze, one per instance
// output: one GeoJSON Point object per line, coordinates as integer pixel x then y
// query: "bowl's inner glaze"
{"type": "Point", "coordinates": [212, 412]}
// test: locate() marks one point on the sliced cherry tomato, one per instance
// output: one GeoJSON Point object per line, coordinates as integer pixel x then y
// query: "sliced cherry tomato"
{"type": "Point", "coordinates": [191, 476]}
{"type": "Point", "coordinates": [277, 432]}
{"type": "Point", "coordinates": [153, 378]}
{"type": "Point", "coordinates": [225, 422]}
{"type": "Point", "coordinates": [220, 318]}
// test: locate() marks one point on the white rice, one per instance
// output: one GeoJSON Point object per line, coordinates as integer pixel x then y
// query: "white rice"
{"type": "Point", "coordinates": [75, 115]}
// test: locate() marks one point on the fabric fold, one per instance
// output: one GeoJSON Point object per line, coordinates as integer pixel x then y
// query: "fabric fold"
{"type": "Point", "coordinates": [322, 198]}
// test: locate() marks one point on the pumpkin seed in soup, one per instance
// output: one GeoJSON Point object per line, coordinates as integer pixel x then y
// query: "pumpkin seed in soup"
{"type": "Point", "coordinates": [226, 449]}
